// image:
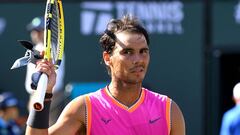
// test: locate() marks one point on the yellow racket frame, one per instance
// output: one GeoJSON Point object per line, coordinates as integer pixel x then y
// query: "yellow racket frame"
{"type": "Point", "coordinates": [61, 35]}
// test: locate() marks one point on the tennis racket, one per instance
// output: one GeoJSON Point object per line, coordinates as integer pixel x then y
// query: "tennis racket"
{"type": "Point", "coordinates": [53, 48]}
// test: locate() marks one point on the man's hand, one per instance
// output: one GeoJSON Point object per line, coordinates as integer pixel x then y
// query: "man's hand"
{"type": "Point", "coordinates": [48, 68]}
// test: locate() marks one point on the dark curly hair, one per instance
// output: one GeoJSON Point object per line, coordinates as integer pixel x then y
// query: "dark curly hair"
{"type": "Point", "coordinates": [128, 24]}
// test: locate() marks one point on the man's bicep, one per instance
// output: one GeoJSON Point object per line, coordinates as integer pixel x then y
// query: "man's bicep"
{"type": "Point", "coordinates": [71, 120]}
{"type": "Point", "coordinates": [177, 120]}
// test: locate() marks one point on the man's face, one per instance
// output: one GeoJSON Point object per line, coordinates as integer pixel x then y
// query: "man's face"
{"type": "Point", "coordinates": [37, 36]}
{"type": "Point", "coordinates": [11, 113]}
{"type": "Point", "coordinates": [130, 58]}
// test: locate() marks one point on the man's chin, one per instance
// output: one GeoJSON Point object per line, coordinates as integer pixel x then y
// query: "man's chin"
{"type": "Point", "coordinates": [135, 81]}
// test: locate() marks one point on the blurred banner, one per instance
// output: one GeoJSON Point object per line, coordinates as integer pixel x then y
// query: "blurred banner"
{"type": "Point", "coordinates": [158, 17]}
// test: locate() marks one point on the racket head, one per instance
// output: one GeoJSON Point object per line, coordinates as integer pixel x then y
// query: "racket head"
{"type": "Point", "coordinates": [54, 32]}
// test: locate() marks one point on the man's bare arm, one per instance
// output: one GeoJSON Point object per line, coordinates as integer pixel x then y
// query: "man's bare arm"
{"type": "Point", "coordinates": [177, 120]}
{"type": "Point", "coordinates": [71, 121]}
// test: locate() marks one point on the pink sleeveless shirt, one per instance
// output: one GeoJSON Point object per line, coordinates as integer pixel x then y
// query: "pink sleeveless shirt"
{"type": "Point", "coordinates": [150, 115]}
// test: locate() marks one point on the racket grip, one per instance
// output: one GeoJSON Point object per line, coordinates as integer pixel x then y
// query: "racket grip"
{"type": "Point", "coordinates": [35, 79]}
{"type": "Point", "coordinates": [39, 94]}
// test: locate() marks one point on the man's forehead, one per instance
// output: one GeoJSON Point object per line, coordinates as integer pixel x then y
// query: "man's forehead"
{"type": "Point", "coordinates": [125, 39]}
{"type": "Point", "coordinates": [130, 37]}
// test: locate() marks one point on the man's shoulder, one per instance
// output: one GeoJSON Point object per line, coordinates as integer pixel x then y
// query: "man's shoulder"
{"type": "Point", "coordinates": [96, 93]}
{"type": "Point", "coordinates": [233, 112]}
{"type": "Point", "coordinates": [78, 101]}
{"type": "Point", "coordinates": [84, 97]}
{"type": "Point", "coordinates": [155, 94]}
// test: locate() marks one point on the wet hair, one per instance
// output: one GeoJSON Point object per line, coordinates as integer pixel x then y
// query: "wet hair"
{"type": "Point", "coordinates": [128, 24]}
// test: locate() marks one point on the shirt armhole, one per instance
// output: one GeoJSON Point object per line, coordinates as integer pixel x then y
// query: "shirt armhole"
{"type": "Point", "coordinates": [168, 114]}
{"type": "Point", "coordinates": [88, 114]}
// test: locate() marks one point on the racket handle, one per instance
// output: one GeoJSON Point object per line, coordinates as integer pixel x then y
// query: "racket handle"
{"type": "Point", "coordinates": [35, 79]}
{"type": "Point", "coordinates": [39, 94]}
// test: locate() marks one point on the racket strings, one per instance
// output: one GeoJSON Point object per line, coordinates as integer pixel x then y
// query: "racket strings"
{"type": "Point", "coordinates": [54, 34]}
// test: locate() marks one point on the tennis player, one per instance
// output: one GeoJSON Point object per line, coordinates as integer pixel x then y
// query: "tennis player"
{"type": "Point", "coordinates": [123, 107]}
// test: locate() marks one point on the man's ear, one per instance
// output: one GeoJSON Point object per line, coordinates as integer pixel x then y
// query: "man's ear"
{"type": "Point", "coordinates": [106, 58]}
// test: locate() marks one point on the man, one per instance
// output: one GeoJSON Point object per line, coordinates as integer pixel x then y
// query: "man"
{"type": "Point", "coordinates": [231, 118]}
{"type": "Point", "coordinates": [121, 108]}
{"type": "Point", "coordinates": [36, 29]}
{"type": "Point", "coordinates": [9, 113]}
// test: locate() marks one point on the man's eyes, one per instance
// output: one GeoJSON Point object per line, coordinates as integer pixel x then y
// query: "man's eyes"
{"type": "Point", "coordinates": [131, 51]}
{"type": "Point", "coordinates": [127, 52]}
{"type": "Point", "coordinates": [144, 51]}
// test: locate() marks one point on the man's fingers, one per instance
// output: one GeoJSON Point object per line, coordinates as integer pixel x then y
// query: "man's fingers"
{"type": "Point", "coordinates": [42, 53]}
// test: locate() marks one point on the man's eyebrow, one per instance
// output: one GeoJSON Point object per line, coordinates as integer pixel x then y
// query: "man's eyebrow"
{"type": "Point", "coordinates": [127, 49]}
{"type": "Point", "coordinates": [131, 49]}
{"type": "Point", "coordinates": [145, 48]}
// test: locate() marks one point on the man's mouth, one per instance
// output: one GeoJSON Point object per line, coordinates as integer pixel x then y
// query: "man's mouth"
{"type": "Point", "coordinates": [137, 69]}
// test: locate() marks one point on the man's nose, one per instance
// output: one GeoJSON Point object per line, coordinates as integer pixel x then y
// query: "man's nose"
{"type": "Point", "coordinates": [137, 58]}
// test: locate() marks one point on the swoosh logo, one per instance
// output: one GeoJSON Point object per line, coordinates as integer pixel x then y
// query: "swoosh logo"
{"type": "Point", "coordinates": [106, 121]}
{"type": "Point", "coordinates": [154, 120]}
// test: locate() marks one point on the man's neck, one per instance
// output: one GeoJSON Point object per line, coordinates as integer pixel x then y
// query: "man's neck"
{"type": "Point", "coordinates": [125, 93]}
